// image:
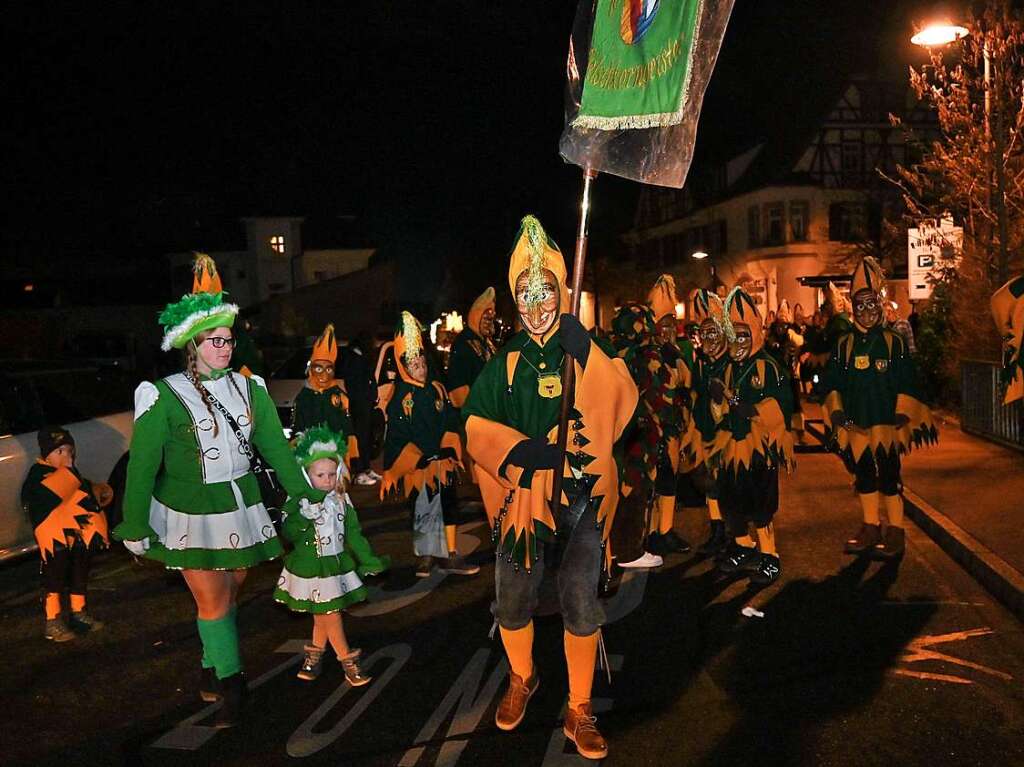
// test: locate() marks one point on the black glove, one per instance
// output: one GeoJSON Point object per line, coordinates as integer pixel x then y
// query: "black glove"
{"type": "Point", "coordinates": [743, 410]}
{"type": "Point", "coordinates": [574, 338]}
{"type": "Point", "coordinates": [717, 390]}
{"type": "Point", "coordinates": [425, 460]}
{"type": "Point", "coordinates": [838, 419]}
{"type": "Point", "coordinates": [448, 452]}
{"type": "Point", "coordinates": [534, 455]}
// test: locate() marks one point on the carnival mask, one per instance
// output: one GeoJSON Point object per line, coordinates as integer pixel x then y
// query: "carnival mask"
{"type": "Point", "coordinates": [867, 308]}
{"type": "Point", "coordinates": [739, 349]}
{"type": "Point", "coordinates": [667, 329]}
{"type": "Point", "coordinates": [487, 322]}
{"type": "Point", "coordinates": [321, 374]}
{"type": "Point", "coordinates": [417, 368]}
{"type": "Point", "coordinates": [538, 316]}
{"type": "Point", "coordinates": [712, 339]}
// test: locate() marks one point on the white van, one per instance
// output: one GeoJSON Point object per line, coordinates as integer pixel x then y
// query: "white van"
{"type": "Point", "coordinates": [95, 406]}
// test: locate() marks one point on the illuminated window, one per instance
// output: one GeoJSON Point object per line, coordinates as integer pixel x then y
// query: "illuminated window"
{"type": "Point", "coordinates": [277, 243]}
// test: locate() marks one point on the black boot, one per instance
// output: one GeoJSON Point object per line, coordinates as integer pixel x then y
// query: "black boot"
{"type": "Point", "coordinates": [739, 558]}
{"type": "Point", "coordinates": [209, 686]}
{"type": "Point", "coordinates": [716, 541]}
{"type": "Point", "coordinates": [675, 544]}
{"type": "Point", "coordinates": [232, 707]}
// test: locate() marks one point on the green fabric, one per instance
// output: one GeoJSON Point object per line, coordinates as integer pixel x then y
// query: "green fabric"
{"type": "Point", "coordinates": [320, 608]}
{"type": "Point", "coordinates": [215, 559]}
{"type": "Point", "coordinates": [205, 661]}
{"type": "Point", "coordinates": [164, 463]}
{"type": "Point", "coordinates": [636, 73]}
{"type": "Point", "coordinates": [313, 408]}
{"type": "Point", "coordinates": [869, 394]}
{"type": "Point", "coordinates": [247, 354]}
{"type": "Point", "coordinates": [303, 561]}
{"type": "Point", "coordinates": [747, 385]}
{"type": "Point", "coordinates": [704, 371]}
{"type": "Point", "coordinates": [430, 418]}
{"type": "Point", "coordinates": [465, 361]}
{"type": "Point", "coordinates": [220, 644]}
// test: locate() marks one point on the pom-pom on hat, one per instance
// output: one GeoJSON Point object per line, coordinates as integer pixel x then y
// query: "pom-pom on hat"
{"type": "Point", "coordinates": [662, 297]}
{"type": "Point", "coordinates": [318, 442]}
{"type": "Point", "coordinates": [202, 309]}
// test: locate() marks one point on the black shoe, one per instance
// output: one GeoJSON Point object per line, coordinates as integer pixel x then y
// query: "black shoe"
{"type": "Point", "coordinates": [717, 539]}
{"type": "Point", "coordinates": [675, 544]}
{"type": "Point", "coordinates": [769, 568]}
{"type": "Point", "coordinates": [738, 558]}
{"type": "Point", "coordinates": [892, 544]}
{"type": "Point", "coordinates": [209, 686]}
{"type": "Point", "coordinates": [656, 544]}
{"type": "Point", "coordinates": [232, 706]}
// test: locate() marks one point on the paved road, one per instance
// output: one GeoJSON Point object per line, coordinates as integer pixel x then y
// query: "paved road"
{"type": "Point", "coordinates": [853, 663]}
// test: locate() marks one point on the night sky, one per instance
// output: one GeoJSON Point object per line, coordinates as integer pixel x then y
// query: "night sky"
{"type": "Point", "coordinates": [142, 132]}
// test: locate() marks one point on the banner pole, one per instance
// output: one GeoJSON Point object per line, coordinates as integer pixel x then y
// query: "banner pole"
{"type": "Point", "coordinates": [569, 368]}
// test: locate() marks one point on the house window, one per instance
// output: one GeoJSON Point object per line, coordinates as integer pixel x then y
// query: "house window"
{"type": "Point", "coordinates": [753, 227]}
{"type": "Point", "coordinates": [850, 157]}
{"type": "Point", "coordinates": [798, 215]}
{"type": "Point", "coordinates": [775, 223]}
{"type": "Point", "coordinates": [277, 243]}
{"type": "Point", "coordinates": [847, 221]}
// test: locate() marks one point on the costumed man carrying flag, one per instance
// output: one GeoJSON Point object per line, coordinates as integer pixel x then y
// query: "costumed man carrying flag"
{"type": "Point", "coordinates": [872, 405]}
{"type": "Point", "coordinates": [711, 359]}
{"type": "Point", "coordinates": [751, 407]}
{"type": "Point", "coordinates": [662, 301]}
{"type": "Point", "coordinates": [323, 400]}
{"type": "Point", "coordinates": [512, 417]}
{"type": "Point", "coordinates": [422, 451]}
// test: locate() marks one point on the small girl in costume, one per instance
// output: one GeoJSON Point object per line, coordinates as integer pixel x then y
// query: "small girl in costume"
{"type": "Point", "coordinates": [66, 512]}
{"type": "Point", "coordinates": [322, 573]}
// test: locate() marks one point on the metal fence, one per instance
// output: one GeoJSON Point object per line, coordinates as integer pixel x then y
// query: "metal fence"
{"type": "Point", "coordinates": [982, 411]}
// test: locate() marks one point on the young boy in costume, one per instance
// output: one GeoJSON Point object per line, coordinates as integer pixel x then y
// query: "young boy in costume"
{"type": "Point", "coordinates": [66, 512]}
{"type": "Point", "coordinates": [472, 348]}
{"type": "Point", "coordinates": [323, 400]}
{"type": "Point", "coordinates": [322, 572]}
{"type": "Point", "coordinates": [422, 451]}
{"type": "Point", "coordinates": [512, 419]}
{"type": "Point", "coordinates": [871, 403]}
{"type": "Point", "coordinates": [711, 359]}
{"type": "Point", "coordinates": [675, 394]}
{"type": "Point", "coordinates": [751, 407]}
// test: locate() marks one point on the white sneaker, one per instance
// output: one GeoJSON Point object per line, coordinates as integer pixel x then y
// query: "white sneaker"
{"type": "Point", "coordinates": [648, 560]}
{"type": "Point", "coordinates": [374, 475]}
{"type": "Point", "coordinates": [365, 479]}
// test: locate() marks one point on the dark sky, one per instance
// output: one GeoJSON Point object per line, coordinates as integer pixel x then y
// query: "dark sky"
{"type": "Point", "coordinates": [146, 131]}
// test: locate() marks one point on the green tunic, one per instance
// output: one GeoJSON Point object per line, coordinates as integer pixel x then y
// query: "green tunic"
{"type": "Point", "coordinates": [322, 573]}
{"type": "Point", "coordinates": [313, 408]}
{"type": "Point", "coordinates": [418, 415]}
{"type": "Point", "coordinates": [190, 489]}
{"type": "Point", "coordinates": [468, 356]}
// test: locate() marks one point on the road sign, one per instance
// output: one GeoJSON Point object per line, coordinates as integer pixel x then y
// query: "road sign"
{"type": "Point", "coordinates": [931, 246]}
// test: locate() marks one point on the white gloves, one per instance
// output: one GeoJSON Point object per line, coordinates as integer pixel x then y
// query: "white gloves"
{"type": "Point", "coordinates": [138, 548]}
{"type": "Point", "coordinates": [308, 510]}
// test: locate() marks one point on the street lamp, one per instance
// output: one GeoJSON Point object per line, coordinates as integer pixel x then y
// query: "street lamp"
{"type": "Point", "coordinates": [939, 33]}
{"type": "Point", "coordinates": [701, 255]}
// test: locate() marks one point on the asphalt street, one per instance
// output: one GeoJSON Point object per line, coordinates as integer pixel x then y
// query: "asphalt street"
{"type": "Point", "coordinates": [853, 662]}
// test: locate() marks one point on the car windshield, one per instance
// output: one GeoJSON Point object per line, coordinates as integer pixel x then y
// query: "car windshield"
{"type": "Point", "coordinates": [293, 367]}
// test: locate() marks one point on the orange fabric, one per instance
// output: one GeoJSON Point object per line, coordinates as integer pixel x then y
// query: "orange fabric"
{"type": "Point", "coordinates": [52, 605]}
{"type": "Point", "coordinates": [353, 450]}
{"type": "Point", "coordinates": [869, 508]}
{"type": "Point", "coordinates": [404, 471]}
{"type": "Point", "coordinates": [714, 512]}
{"type": "Point", "coordinates": [519, 649]}
{"type": "Point", "coordinates": [77, 603]}
{"type": "Point", "coordinates": [662, 297]}
{"type": "Point", "coordinates": [885, 436]}
{"type": "Point", "coordinates": [458, 396]}
{"type": "Point", "coordinates": [450, 536]}
{"type": "Point", "coordinates": [553, 261]}
{"type": "Point", "coordinates": [326, 346]}
{"type": "Point", "coordinates": [244, 370]}
{"type": "Point", "coordinates": [606, 396]}
{"type": "Point", "coordinates": [766, 539]}
{"type": "Point", "coordinates": [483, 302]}
{"type": "Point", "coordinates": [68, 515]}
{"type": "Point", "coordinates": [1008, 313]}
{"type": "Point", "coordinates": [205, 278]}
{"type": "Point", "coordinates": [666, 512]}
{"type": "Point", "coordinates": [580, 658]}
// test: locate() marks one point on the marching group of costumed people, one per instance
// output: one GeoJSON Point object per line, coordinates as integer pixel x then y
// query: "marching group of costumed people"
{"type": "Point", "coordinates": [648, 405]}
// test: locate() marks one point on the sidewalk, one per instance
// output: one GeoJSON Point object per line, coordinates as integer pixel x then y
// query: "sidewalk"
{"type": "Point", "coordinates": [966, 493]}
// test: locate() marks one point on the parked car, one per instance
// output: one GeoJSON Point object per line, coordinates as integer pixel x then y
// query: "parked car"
{"type": "Point", "coordinates": [95, 405]}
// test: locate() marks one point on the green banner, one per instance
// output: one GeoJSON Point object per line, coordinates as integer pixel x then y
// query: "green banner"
{"type": "Point", "coordinates": [638, 70]}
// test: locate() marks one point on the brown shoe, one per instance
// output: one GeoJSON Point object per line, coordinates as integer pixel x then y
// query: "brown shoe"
{"type": "Point", "coordinates": [866, 538]}
{"type": "Point", "coordinates": [353, 673]}
{"type": "Point", "coordinates": [893, 545]}
{"type": "Point", "coordinates": [512, 708]}
{"type": "Point", "coordinates": [581, 728]}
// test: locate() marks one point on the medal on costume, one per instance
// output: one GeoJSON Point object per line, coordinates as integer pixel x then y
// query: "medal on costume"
{"type": "Point", "coordinates": [549, 385]}
{"type": "Point", "coordinates": [407, 405]}
{"type": "Point", "coordinates": [862, 362]}
{"type": "Point", "coordinates": [881, 365]}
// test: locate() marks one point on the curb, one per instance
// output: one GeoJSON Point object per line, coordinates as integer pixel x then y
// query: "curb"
{"type": "Point", "coordinates": [1003, 581]}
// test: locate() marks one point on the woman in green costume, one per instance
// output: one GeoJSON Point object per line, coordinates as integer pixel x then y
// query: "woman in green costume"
{"type": "Point", "coordinates": [321, 574]}
{"type": "Point", "coordinates": [191, 499]}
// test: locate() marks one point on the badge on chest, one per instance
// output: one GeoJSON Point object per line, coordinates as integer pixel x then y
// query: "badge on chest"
{"type": "Point", "coordinates": [862, 362]}
{"type": "Point", "coordinates": [549, 385]}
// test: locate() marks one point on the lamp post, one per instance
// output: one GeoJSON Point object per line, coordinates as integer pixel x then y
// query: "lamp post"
{"type": "Point", "coordinates": [945, 32]}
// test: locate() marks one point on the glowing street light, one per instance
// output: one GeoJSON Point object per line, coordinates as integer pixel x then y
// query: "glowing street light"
{"type": "Point", "coordinates": [700, 255]}
{"type": "Point", "coordinates": [939, 33]}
